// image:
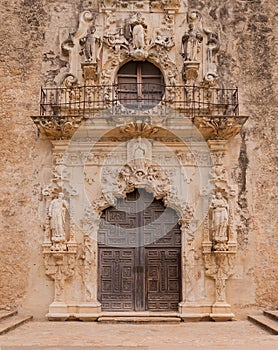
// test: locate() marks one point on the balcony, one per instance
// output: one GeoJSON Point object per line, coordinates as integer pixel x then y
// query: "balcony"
{"type": "Point", "coordinates": [214, 111]}
{"type": "Point", "coordinates": [146, 99]}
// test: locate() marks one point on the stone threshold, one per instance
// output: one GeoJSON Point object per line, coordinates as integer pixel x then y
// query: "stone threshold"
{"type": "Point", "coordinates": [139, 313]}
{"type": "Point", "coordinates": [139, 317]}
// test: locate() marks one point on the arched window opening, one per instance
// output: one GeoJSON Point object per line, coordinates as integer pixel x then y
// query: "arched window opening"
{"type": "Point", "coordinates": [140, 85]}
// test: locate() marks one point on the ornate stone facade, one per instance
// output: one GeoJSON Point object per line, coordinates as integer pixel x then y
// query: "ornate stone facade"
{"type": "Point", "coordinates": [103, 42]}
{"type": "Point", "coordinates": [188, 150]}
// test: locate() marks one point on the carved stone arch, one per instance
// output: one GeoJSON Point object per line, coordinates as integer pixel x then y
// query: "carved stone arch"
{"type": "Point", "coordinates": [150, 176]}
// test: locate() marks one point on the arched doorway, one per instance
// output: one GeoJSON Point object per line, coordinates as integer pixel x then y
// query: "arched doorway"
{"type": "Point", "coordinates": [139, 255]}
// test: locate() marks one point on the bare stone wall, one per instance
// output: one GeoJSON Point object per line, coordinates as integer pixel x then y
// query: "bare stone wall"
{"type": "Point", "coordinates": [20, 71]}
{"type": "Point", "coordinates": [248, 59]}
{"type": "Point", "coordinates": [29, 56]}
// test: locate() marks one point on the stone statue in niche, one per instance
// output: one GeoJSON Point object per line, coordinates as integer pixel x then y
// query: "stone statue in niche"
{"type": "Point", "coordinates": [191, 41]}
{"type": "Point", "coordinates": [57, 215]}
{"type": "Point", "coordinates": [219, 221]}
{"type": "Point", "coordinates": [137, 30]}
{"type": "Point", "coordinates": [92, 45]}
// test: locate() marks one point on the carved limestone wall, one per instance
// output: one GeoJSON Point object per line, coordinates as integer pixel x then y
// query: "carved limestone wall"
{"type": "Point", "coordinates": [168, 34]}
{"type": "Point", "coordinates": [44, 45]}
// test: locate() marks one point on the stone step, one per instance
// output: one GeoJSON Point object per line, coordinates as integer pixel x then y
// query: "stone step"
{"type": "Point", "coordinates": [138, 319]}
{"type": "Point", "coordinates": [140, 313]}
{"type": "Point", "coordinates": [265, 322]}
{"type": "Point", "coordinates": [7, 313]}
{"type": "Point", "coordinates": [273, 314]}
{"type": "Point", "coordinates": [12, 322]}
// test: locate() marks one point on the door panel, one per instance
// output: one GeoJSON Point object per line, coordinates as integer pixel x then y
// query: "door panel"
{"type": "Point", "coordinates": [117, 278]}
{"type": "Point", "coordinates": [139, 269]}
{"type": "Point", "coordinates": [162, 278]}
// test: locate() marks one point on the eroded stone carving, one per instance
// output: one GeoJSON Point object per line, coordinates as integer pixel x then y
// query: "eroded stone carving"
{"type": "Point", "coordinates": [219, 266]}
{"type": "Point", "coordinates": [117, 41]}
{"type": "Point", "coordinates": [59, 266]}
{"type": "Point", "coordinates": [163, 40]}
{"type": "Point", "coordinates": [219, 241]}
{"type": "Point", "coordinates": [57, 216]}
{"type": "Point", "coordinates": [108, 4]}
{"type": "Point", "coordinates": [166, 5]}
{"type": "Point", "coordinates": [136, 34]}
{"type": "Point", "coordinates": [138, 129]}
{"type": "Point", "coordinates": [91, 45]}
{"type": "Point", "coordinates": [60, 181]}
{"type": "Point", "coordinates": [219, 221]}
{"type": "Point", "coordinates": [55, 127]}
{"type": "Point", "coordinates": [199, 54]}
{"type": "Point", "coordinates": [213, 46]}
{"type": "Point", "coordinates": [191, 41]}
{"type": "Point", "coordinates": [89, 257]}
{"type": "Point", "coordinates": [143, 173]}
{"type": "Point", "coordinates": [219, 128]}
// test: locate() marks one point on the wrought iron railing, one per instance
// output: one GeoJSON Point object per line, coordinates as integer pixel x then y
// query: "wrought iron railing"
{"type": "Point", "coordinates": [130, 98]}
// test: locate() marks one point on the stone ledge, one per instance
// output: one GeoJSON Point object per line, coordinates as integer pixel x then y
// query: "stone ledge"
{"type": "Point", "coordinates": [140, 319]}
{"type": "Point", "coordinates": [195, 317]}
{"type": "Point", "coordinates": [57, 316]}
{"type": "Point", "coordinates": [222, 317]}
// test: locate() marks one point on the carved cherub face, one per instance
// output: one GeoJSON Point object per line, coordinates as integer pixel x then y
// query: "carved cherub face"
{"type": "Point", "coordinates": [218, 195]}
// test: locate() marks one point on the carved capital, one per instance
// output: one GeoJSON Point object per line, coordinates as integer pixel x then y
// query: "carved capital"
{"type": "Point", "coordinates": [219, 128]}
{"type": "Point", "coordinates": [55, 127]}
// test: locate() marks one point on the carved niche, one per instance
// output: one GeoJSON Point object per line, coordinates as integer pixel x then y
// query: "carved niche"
{"type": "Point", "coordinates": [84, 47]}
{"type": "Point", "coordinates": [199, 48]}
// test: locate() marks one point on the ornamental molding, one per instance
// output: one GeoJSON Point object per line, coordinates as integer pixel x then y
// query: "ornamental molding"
{"type": "Point", "coordinates": [56, 127]}
{"type": "Point", "coordinates": [220, 266]}
{"type": "Point", "coordinates": [219, 128]}
{"type": "Point", "coordinates": [140, 173]}
{"type": "Point", "coordinates": [60, 265]}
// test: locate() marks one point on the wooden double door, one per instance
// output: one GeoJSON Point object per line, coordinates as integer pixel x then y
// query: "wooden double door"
{"type": "Point", "coordinates": [139, 256]}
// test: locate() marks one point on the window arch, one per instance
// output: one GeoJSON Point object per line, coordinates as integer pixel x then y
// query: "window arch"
{"type": "Point", "coordinates": [140, 85]}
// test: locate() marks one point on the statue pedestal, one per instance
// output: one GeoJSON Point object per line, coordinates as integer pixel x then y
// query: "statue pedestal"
{"type": "Point", "coordinates": [87, 311]}
{"type": "Point", "coordinates": [198, 311]}
{"type": "Point", "coordinates": [221, 311]}
{"type": "Point", "coordinates": [58, 311]}
{"type": "Point", "coordinates": [194, 311]}
{"type": "Point", "coordinates": [90, 71]}
{"type": "Point", "coordinates": [190, 71]}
